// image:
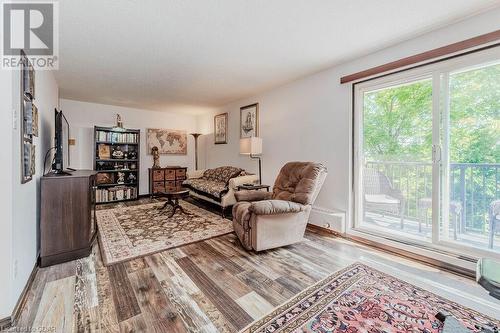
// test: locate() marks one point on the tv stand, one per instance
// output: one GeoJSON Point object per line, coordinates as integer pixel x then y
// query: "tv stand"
{"type": "Point", "coordinates": [67, 217]}
{"type": "Point", "coordinates": [59, 173]}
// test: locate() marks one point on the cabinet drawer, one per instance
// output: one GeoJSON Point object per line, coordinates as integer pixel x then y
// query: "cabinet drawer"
{"type": "Point", "coordinates": [180, 174]}
{"type": "Point", "coordinates": [170, 183]}
{"type": "Point", "coordinates": [171, 188]}
{"type": "Point", "coordinates": [179, 183]}
{"type": "Point", "coordinates": [158, 186]}
{"type": "Point", "coordinates": [170, 174]}
{"type": "Point", "coordinates": [158, 175]}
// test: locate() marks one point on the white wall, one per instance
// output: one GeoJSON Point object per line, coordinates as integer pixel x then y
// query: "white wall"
{"type": "Point", "coordinates": [6, 193]}
{"type": "Point", "coordinates": [309, 119]}
{"type": "Point", "coordinates": [83, 116]}
{"type": "Point", "coordinates": [19, 225]}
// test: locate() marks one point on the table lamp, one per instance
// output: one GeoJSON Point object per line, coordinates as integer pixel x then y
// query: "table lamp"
{"type": "Point", "coordinates": [252, 146]}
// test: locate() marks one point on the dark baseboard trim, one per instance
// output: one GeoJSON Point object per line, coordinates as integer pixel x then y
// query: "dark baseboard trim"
{"type": "Point", "coordinates": [21, 302]}
{"type": "Point", "coordinates": [445, 266]}
{"type": "Point", "coordinates": [5, 324]}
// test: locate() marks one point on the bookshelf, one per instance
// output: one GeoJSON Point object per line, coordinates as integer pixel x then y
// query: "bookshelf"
{"type": "Point", "coordinates": [117, 162]}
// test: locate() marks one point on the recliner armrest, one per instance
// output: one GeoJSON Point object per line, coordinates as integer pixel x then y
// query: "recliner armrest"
{"type": "Point", "coordinates": [273, 207]}
{"type": "Point", "coordinates": [252, 195]}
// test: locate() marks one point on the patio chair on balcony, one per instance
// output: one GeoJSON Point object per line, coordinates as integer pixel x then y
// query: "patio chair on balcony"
{"type": "Point", "coordinates": [380, 195]}
{"type": "Point", "coordinates": [494, 221]}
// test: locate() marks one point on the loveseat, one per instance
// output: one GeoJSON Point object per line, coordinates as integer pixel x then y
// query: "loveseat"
{"type": "Point", "coordinates": [218, 185]}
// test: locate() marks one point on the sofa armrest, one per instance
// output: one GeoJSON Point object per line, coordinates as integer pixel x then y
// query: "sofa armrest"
{"type": "Point", "coordinates": [273, 207]}
{"type": "Point", "coordinates": [195, 174]}
{"type": "Point", "coordinates": [240, 180]}
{"type": "Point", "coordinates": [252, 195]}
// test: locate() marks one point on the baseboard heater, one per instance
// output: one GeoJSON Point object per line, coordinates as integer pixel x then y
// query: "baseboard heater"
{"type": "Point", "coordinates": [328, 218]}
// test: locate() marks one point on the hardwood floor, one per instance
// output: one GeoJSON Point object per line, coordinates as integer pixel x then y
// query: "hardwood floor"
{"type": "Point", "coordinates": [210, 286]}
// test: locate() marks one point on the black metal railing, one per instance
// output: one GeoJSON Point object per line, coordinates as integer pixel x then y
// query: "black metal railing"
{"type": "Point", "coordinates": [473, 186]}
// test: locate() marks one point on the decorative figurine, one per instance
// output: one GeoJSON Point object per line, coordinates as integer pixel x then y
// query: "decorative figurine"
{"type": "Point", "coordinates": [118, 153]}
{"type": "Point", "coordinates": [121, 178]}
{"type": "Point", "coordinates": [119, 122]}
{"type": "Point", "coordinates": [132, 155]}
{"type": "Point", "coordinates": [156, 157]}
{"type": "Point", "coordinates": [131, 178]}
{"type": "Point", "coordinates": [132, 166]}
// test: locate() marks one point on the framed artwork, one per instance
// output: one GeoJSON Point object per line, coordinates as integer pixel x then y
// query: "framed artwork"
{"type": "Point", "coordinates": [104, 151]}
{"type": "Point", "coordinates": [28, 118]}
{"type": "Point", "coordinates": [220, 128]}
{"type": "Point", "coordinates": [172, 142]}
{"type": "Point", "coordinates": [34, 117]}
{"type": "Point", "coordinates": [249, 121]}
{"type": "Point", "coordinates": [27, 157]}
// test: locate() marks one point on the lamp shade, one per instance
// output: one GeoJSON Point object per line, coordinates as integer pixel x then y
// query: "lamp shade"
{"type": "Point", "coordinates": [251, 146]}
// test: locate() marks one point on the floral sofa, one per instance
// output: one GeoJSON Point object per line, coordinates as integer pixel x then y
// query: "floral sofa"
{"type": "Point", "coordinates": [218, 185]}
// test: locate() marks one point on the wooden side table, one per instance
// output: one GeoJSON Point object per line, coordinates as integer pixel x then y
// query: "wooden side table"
{"type": "Point", "coordinates": [173, 200]}
{"type": "Point", "coordinates": [252, 187]}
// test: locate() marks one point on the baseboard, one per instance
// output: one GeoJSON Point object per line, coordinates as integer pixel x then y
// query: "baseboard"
{"type": "Point", "coordinates": [23, 297]}
{"type": "Point", "coordinates": [5, 324]}
{"type": "Point", "coordinates": [322, 230]}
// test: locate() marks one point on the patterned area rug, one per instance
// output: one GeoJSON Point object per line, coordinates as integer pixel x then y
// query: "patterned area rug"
{"type": "Point", "coordinates": [136, 231]}
{"type": "Point", "coordinates": [361, 299]}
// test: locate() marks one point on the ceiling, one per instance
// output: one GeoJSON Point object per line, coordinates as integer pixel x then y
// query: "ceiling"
{"type": "Point", "coordinates": [185, 54]}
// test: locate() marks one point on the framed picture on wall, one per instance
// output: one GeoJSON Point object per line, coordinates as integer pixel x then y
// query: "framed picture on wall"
{"type": "Point", "coordinates": [34, 117]}
{"type": "Point", "coordinates": [220, 128]}
{"type": "Point", "coordinates": [28, 119]}
{"type": "Point", "coordinates": [249, 121]}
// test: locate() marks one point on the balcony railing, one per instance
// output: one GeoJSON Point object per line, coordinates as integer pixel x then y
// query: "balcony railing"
{"type": "Point", "coordinates": [473, 186]}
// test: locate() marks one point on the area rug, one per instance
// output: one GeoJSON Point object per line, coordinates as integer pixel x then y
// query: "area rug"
{"type": "Point", "coordinates": [360, 299]}
{"type": "Point", "coordinates": [135, 231]}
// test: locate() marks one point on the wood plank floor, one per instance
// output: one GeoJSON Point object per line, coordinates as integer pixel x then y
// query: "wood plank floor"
{"type": "Point", "coordinates": [211, 286]}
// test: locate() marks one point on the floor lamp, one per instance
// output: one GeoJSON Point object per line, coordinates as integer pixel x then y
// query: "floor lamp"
{"type": "Point", "coordinates": [195, 135]}
{"type": "Point", "coordinates": [252, 146]}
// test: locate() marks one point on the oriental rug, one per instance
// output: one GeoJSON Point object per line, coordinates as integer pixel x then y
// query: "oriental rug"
{"type": "Point", "coordinates": [360, 299]}
{"type": "Point", "coordinates": [134, 231]}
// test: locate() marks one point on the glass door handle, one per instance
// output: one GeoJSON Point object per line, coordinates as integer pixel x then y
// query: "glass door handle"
{"type": "Point", "coordinates": [436, 153]}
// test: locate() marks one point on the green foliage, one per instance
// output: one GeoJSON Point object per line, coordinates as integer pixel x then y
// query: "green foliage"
{"type": "Point", "coordinates": [398, 123]}
{"type": "Point", "coordinates": [398, 120]}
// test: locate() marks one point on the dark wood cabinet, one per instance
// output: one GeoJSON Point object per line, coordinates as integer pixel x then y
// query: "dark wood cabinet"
{"type": "Point", "coordinates": [67, 216]}
{"type": "Point", "coordinates": [166, 179]}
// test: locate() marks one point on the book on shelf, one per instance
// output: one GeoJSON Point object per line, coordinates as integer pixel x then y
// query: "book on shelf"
{"type": "Point", "coordinates": [116, 137]}
{"type": "Point", "coordinates": [115, 194]}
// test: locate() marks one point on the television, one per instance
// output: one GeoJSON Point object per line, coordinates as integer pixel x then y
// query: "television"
{"type": "Point", "coordinates": [61, 142]}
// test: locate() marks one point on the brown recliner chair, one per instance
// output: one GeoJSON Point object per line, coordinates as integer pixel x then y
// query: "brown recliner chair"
{"type": "Point", "coordinates": [264, 220]}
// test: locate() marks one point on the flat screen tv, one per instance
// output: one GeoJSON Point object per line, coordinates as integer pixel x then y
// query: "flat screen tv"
{"type": "Point", "coordinates": [61, 156]}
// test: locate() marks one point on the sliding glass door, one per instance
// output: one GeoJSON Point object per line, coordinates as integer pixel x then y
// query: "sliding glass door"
{"type": "Point", "coordinates": [427, 154]}
{"type": "Point", "coordinates": [471, 137]}
{"type": "Point", "coordinates": [396, 158]}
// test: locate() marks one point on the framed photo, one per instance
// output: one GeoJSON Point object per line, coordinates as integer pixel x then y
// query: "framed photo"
{"type": "Point", "coordinates": [34, 117]}
{"type": "Point", "coordinates": [32, 160]}
{"type": "Point", "coordinates": [104, 151]}
{"type": "Point", "coordinates": [27, 117]}
{"type": "Point", "coordinates": [27, 168]}
{"type": "Point", "coordinates": [249, 121]}
{"type": "Point", "coordinates": [220, 128]}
